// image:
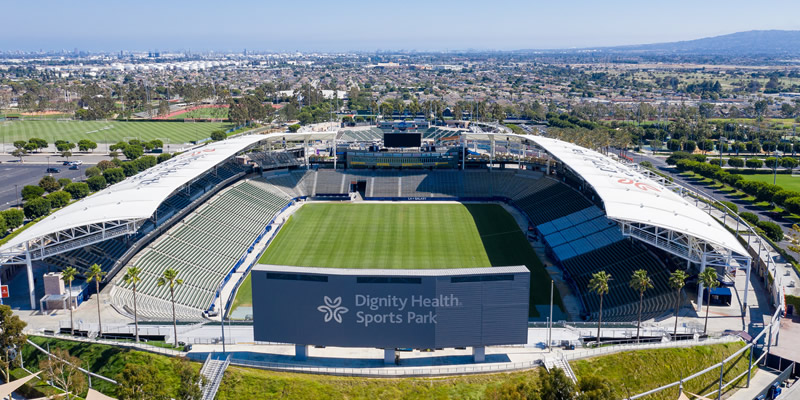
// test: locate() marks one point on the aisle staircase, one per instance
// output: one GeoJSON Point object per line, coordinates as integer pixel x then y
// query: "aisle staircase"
{"type": "Point", "coordinates": [213, 370]}
{"type": "Point", "coordinates": [557, 360]}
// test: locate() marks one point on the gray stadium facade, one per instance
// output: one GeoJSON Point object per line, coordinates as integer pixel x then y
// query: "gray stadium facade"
{"type": "Point", "coordinates": [389, 309]}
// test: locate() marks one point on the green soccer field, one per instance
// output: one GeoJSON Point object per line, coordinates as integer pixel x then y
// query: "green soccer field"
{"type": "Point", "coordinates": [404, 236]}
{"type": "Point", "coordinates": [108, 131]}
{"type": "Point", "coordinates": [785, 181]}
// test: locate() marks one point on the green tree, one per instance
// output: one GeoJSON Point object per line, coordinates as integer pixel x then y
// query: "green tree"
{"type": "Point", "coordinates": [13, 217]}
{"type": "Point", "coordinates": [64, 182]}
{"type": "Point", "coordinates": [92, 171]}
{"type": "Point", "coordinates": [20, 144]}
{"type": "Point", "coordinates": [86, 145]}
{"type": "Point", "coordinates": [677, 280]}
{"type": "Point", "coordinates": [163, 157]}
{"type": "Point", "coordinates": [191, 382]}
{"type": "Point", "coordinates": [736, 162]}
{"type": "Point", "coordinates": [105, 164]}
{"type": "Point", "coordinates": [218, 135]}
{"type": "Point", "coordinates": [640, 282]}
{"type": "Point", "coordinates": [709, 279]}
{"type": "Point", "coordinates": [555, 385]}
{"type": "Point", "coordinates": [30, 192]}
{"type": "Point", "coordinates": [599, 285]}
{"type": "Point", "coordinates": [114, 175]}
{"type": "Point", "coordinates": [3, 227]}
{"type": "Point", "coordinates": [96, 274]}
{"type": "Point", "coordinates": [58, 198]}
{"type": "Point", "coordinates": [19, 153]}
{"type": "Point", "coordinates": [36, 208]}
{"type": "Point", "coordinates": [593, 387]}
{"type": "Point", "coordinates": [132, 278]}
{"type": "Point", "coordinates": [68, 275]}
{"type": "Point", "coordinates": [62, 370]}
{"type": "Point", "coordinates": [49, 184]}
{"type": "Point", "coordinates": [141, 382]}
{"type": "Point", "coordinates": [170, 279]}
{"type": "Point", "coordinates": [132, 152]}
{"type": "Point", "coordinates": [12, 338]}
{"type": "Point", "coordinates": [294, 128]}
{"type": "Point", "coordinates": [78, 190]}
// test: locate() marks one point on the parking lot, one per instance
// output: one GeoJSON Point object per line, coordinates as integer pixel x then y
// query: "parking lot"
{"type": "Point", "coordinates": [14, 176]}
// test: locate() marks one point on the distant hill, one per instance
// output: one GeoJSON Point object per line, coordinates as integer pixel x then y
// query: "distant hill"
{"type": "Point", "coordinates": [773, 42]}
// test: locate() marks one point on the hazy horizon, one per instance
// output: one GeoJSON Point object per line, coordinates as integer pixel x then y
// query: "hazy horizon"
{"type": "Point", "coordinates": [361, 26]}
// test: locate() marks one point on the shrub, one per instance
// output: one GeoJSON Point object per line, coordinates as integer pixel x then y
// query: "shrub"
{"type": "Point", "coordinates": [30, 192]}
{"type": "Point", "coordinates": [294, 128]}
{"type": "Point", "coordinates": [96, 183]}
{"type": "Point", "coordinates": [92, 171]}
{"type": "Point", "coordinates": [646, 164]}
{"type": "Point", "coordinates": [36, 208]}
{"type": "Point", "coordinates": [767, 191]}
{"type": "Point", "coordinates": [164, 157]}
{"type": "Point", "coordinates": [58, 199]}
{"type": "Point", "coordinates": [78, 190]}
{"type": "Point", "coordinates": [132, 151]}
{"type": "Point", "coordinates": [781, 196]}
{"type": "Point", "coordinates": [754, 163]}
{"type": "Point", "coordinates": [699, 157]}
{"type": "Point", "coordinates": [105, 164]}
{"type": "Point", "coordinates": [3, 227]}
{"type": "Point", "coordinates": [145, 162]}
{"type": "Point", "coordinates": [772, 230]}
{"type": "Point", "coordinates": [218, 135]}
{"type": "Point", "coordinates": [716, 162]}
{"type": "Point", "coordinates": [788, 162]}
{"type": "Point", "coordinates": [751, 218]}
{"type": "Point", "coordinates": [690, 145]}
{"type": "Point", "coordinates": [64, 182]}
{"type": "Point", "coordinates": [769, 162]}
{"type": "Point", "coordinates": [13, 217]}
{"type": "Point", "coordinates": [730, 205]}
{"type": "Point", "coordinates": [49, 184]}
{"type": "Point", "coordinates": [130, 168]}
{"type": "Point", "coordinates": [736, 162]}
{"type": "Point", "coordinates": [792, 205]}
{"type": "Point", "coordinates": [114, 175]}
{"type": "Point", "coordinates": [685, 164]}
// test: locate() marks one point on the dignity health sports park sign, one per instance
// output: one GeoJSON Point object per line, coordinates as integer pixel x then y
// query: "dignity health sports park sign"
{"type": "Point", "coordinates": [391, 308]}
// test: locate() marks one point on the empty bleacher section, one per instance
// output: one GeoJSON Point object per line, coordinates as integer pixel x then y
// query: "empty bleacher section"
{"type": "Point", "coordinates": [579, 233]}
{"type": "Point", "coordinates": [204, 247]}
{"type": "Point", "coordinates": [436, 133]}
{"type": "Point", "coordinates": [620, 259]}
{"type": "Point", "coordinates": [274, 159]}
{"type": "Point", "coordinates": [330, 182]}
{"type": "Point", "coordinates": [108, 252]}
{"type": "Point", "coordinates": [361, 135]}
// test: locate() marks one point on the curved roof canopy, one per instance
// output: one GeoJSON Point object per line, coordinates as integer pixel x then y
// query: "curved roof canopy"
{"type": "Point", "coordinates": [630, 196]}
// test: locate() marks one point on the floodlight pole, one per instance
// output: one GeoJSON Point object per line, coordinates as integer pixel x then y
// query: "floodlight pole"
{"type": "Point", "coordinates": [550, 325]}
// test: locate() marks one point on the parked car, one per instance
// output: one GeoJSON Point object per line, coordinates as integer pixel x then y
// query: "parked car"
{"type": "Point", "coordinates": [52, 170]}
{"type": "Point", "coordinates": [76, 162]}
{"type": "Point", "coordinates": [74, 166]}
{"type": "Point", "coordinates": [67, 163]}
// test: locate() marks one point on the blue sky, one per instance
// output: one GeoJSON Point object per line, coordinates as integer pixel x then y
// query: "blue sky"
{"type": "Point", "coordinates": [346, 25]}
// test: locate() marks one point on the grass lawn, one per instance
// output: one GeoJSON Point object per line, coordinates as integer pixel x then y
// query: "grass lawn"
{"type": "Point", "coordinates": [404, 236]}
{"type": "Point", "coordinates": [785, 181]}
{"type": "Point", "coordinates": [639, 371]}
{"type": "Point", "coordinates": [401, 236]}
{"type": "Point", "coordinates": [108, 131]}
{"type": "Point", "coordinates": [204, 113]}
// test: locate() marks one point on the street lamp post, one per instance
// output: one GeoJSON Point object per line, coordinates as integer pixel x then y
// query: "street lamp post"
{"type": "Point", "coordinates": [48, 166]}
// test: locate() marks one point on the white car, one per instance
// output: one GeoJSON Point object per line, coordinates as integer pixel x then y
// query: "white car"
{"type": "Point", "coordinates": [77, 162]}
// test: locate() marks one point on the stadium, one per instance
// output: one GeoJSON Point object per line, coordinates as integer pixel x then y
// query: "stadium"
{"type": "Point", "coordinates": [384, 204]}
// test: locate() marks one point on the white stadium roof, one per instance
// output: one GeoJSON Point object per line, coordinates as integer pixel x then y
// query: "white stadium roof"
{"type": "Point", "coordinates": [628, 195]}
{"type": "Point", "coordinates": [139, 196]}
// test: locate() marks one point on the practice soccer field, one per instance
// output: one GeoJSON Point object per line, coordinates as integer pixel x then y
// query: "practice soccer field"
{"type": "Point", "coordinates": [785, 181]}
{"type": "Point", "coordinates": [108, 131]}
{"type": "Point", "coordinates": [404, 236]}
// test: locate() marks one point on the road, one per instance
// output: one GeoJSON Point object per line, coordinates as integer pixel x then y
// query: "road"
{"type": "Point", "coordinates": [13, 176]}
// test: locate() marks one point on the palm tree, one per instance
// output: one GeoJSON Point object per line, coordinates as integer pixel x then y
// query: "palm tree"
{"type": "Point", "coordinates": [131, 277]}
{"type": "Point", "coordinates": [96, 274]}
{"type": "Point", "coordinates": [709, 279]}
{"type": "Point", "coordinates": [677, 280]}
{"type": "Point", "coordinates": [68, 275]}
{"type": "Point", "coordinates": [640, 282]}
{"type": "Point", "coordinates": [170, 278]}
{"type": "Point", "coordinates": [599, 285]}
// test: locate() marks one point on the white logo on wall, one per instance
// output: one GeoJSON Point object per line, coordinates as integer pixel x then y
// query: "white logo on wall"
{"type": "Point", "coordinates": [333, 309]}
